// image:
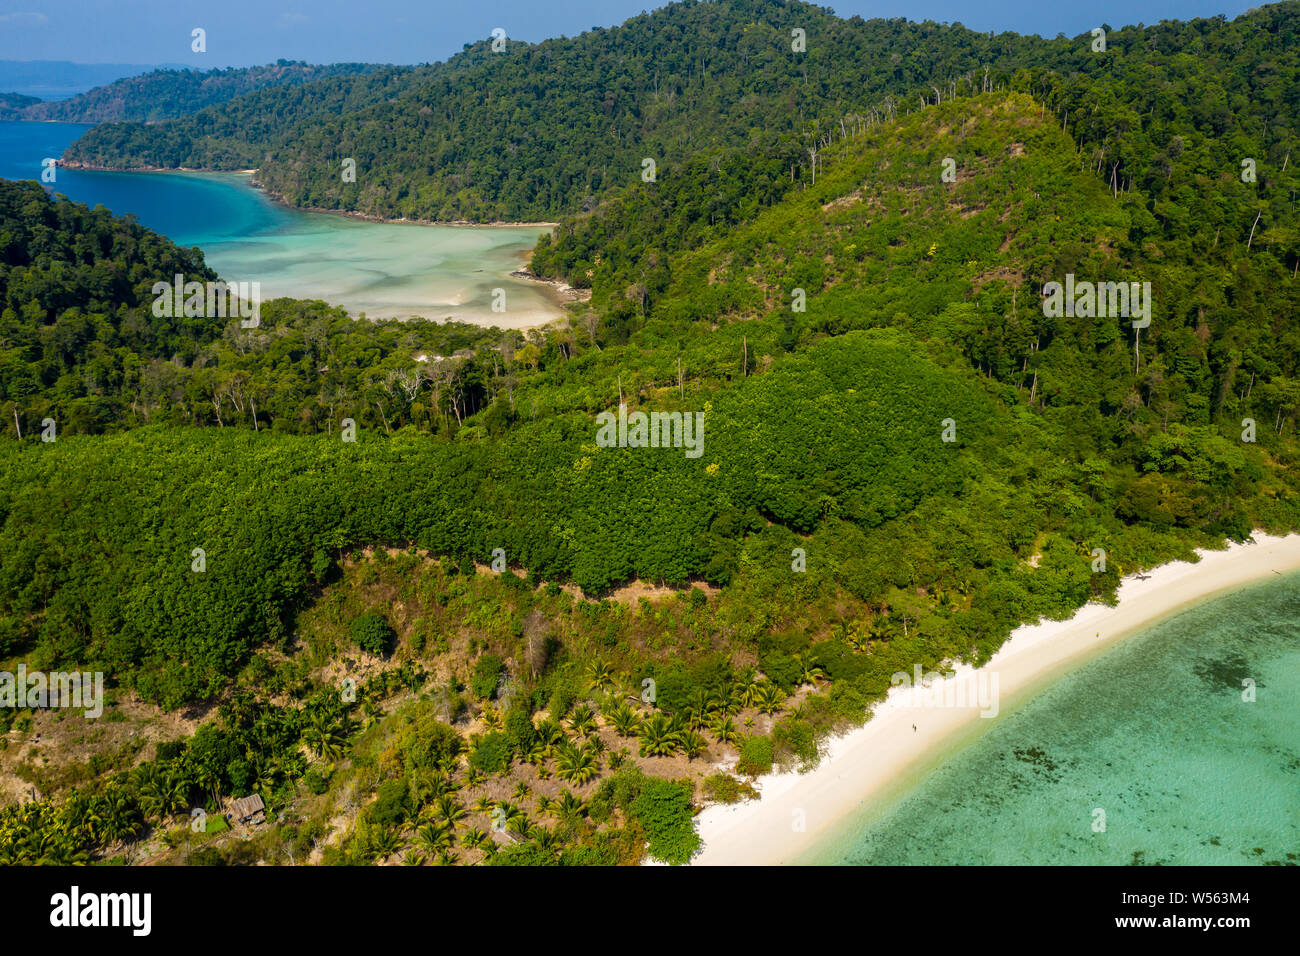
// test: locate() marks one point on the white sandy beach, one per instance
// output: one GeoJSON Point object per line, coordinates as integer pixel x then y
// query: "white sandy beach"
{"type": "Point", "coordinates": [863, 763]}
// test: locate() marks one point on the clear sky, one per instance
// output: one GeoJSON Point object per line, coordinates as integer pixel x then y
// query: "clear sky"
{"type": "Point", "coordinates": [246, 32]}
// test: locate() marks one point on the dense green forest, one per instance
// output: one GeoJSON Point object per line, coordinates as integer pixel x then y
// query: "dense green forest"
{"type": "Point", "coordinates": [169, 94]}
{"type": "Point", "coordinates": [904, 455]}
{"type": "Point", "coordinates": [13, 106]}
{"type": "Point", "coordinates": [578, 116]}
{"type": "Point", "coordinates": [80, 342]}
{"type": "Point", "coordinates": [1165, 118]}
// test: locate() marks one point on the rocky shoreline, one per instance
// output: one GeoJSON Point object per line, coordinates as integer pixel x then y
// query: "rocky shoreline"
{"type": "Point", "coordinates": [562, 288]}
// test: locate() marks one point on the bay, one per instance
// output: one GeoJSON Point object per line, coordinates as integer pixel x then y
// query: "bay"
{"type": "Point", "coordinates": [380, 270]}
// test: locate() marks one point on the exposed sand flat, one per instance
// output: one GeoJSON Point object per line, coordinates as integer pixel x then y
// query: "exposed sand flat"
{"type": "Point", "coordinates": [863, 763]}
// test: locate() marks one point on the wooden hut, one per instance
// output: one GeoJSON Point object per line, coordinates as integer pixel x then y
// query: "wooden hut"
{"type": "Point", "coordinates": [246, 810]}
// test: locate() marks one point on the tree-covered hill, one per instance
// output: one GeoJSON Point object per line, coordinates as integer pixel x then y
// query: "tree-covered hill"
{"type": "Point", "coordinates": [106, 573]}
{"type": "Point", "coordinates": [13, 106]}
{"type": "Point", "coordinates": [534, 131]}
{"type": "Point", "coordinates": [75, 305]}
{"type": "Point", "coordinates": [1165, 117]}
{"type": "Point", "coordinates": [882, 240]}
{"type": "Point", "coordinates": [79, 341]}
{"type": "Point", "coordinates": [542, 130]}
{"type": "Point", "coordinates": [974, 415]}
{"type": "Point", "coordinates": [169, 94]}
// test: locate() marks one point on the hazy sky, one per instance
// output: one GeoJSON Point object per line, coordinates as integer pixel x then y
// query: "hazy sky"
{"type": "Point", "coordinates": [245, 32]}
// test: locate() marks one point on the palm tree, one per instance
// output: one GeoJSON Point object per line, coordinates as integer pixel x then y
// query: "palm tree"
{"type": "Point", "coordinates": [568, 806]}
{"type": "Point", "coordinates": [878, 629]}
{"type": "Point", "coordinates": [576, 765]}
{"type": "Point", "coordinates": [600, 675]}
{"type": "Point", "coordinates": [700, 709]}
{"type": "Point", "coordinates": [384, 841]}
{"type": "Point", "coordinates": [208, 780]}
{"type": "Point", "coordinates": [268, 775]}
{"type": "Point", "coordinates": [770, 698]}
{"type": "Point", "coordinates": [550, 733]}
{"type": "Point", "coordinates": [492, 717]}
{"type": "Point", "coordinates": [809, 673]}
{"type": "Point", "coordinates": [582, 721]}
{"type": "Point", "coordinates": [723, 729]}
{"type": "Point", "coordinates": [536, 753]}
{"type": "Point", "coordinates": [433, 837]}
{"type": "Point", "coordinates": [659, 737]}
{"type": "Point", "coordinates": [859, 636]}
{"type": "Point", "coordinates": [150, 788]}
{"type": "Point", "coordinates": [509, 810]}
{"type": "Point", "coordinates": [475, 838]}
{"type": "Point", "coordinates": [175, 791]}
{"type": "Point", "coordinates": [324, 735]}
{"type": "Point", "coordinates": [843, 631]}
{"type": "Point", "coordinates": [546, 839]}
{"type": "Point", "coordinates": [371, 708]}
{"type": "Point", "coordinates": [693, 744]}
{"type": "Point", "coordinates": [733, 702]}
{"type": "Point", "coordinates": [624, 719]}
{"type": "Point", "coordinates": [450, 809]}
{"type": "Point", "coordinates": [522, 790]}
{"type": "Point", "coordinates": [441, 783]}
{"type": "Point", "coordinates": [414, 858]}
{"type": "Point", "coordinates": [120, 818]}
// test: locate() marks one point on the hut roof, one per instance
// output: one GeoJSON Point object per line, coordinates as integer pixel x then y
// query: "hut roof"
{"type": "Point", "coordinates": [244, 807]}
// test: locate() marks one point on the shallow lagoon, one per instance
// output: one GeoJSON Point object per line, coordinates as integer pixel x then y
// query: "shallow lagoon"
{"type": "Point", "coordinates": [382, 270]}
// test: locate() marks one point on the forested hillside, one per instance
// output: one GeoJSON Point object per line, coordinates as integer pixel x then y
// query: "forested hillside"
{"type": "Point", "coordinates": [169, 94]}
{"type": "Point", "coordinates": [13, 106]}
{"type": "Point", "coordinates": [543, 129]}
{"type": "Point", "coordinates": [75, 306]}
{"type": "Point", "coordinates": [1165, 117]}
{"type": "Point", "coordinates": [881, 240]}
{"type": "Point", "coordinates": [534, 131]}
{"type": "Point", "coordinates": [81, 344]}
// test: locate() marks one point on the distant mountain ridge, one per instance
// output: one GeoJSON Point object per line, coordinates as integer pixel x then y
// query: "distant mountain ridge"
{"type": "Point", "coordinates": [538, 131]}
{"type": "Point", "coordinates": [60, 79]}
{"type": "Point", "coordinates": [14, 105]}
{"type": "Point", "coordinates": [173, 93]}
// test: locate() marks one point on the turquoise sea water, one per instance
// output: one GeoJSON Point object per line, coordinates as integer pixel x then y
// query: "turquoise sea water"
{"type": "Point", "coordinates": [1154, 732]}
{"type": "Point", "coordinates": [381, 269]}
